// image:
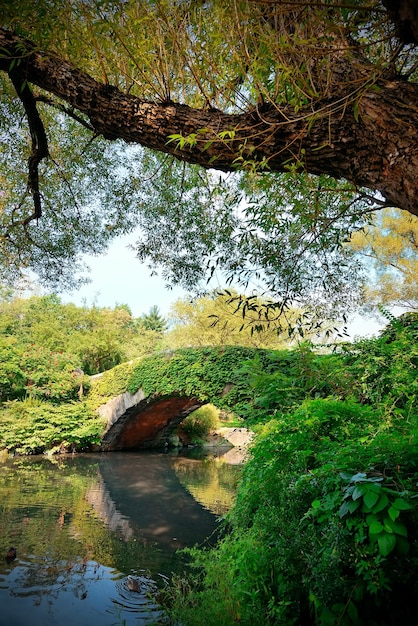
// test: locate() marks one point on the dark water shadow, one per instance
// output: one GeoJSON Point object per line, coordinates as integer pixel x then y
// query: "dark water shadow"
{"type": "Point", "coordinates": [81, 525]}
{"type": "Point", "coordinates": [146, 490]}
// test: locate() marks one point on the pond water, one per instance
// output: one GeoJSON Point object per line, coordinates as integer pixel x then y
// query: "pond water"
{"type": "Point", "coordinates": [82, 524]}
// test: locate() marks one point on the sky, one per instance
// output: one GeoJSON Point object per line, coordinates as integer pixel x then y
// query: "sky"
{"type": "Point", "coordinates": [120, 278]}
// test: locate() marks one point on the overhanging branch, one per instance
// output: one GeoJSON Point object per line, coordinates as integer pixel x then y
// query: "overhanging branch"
{"type": "Point", "coordinates": [365, 132]}
{"type": "Point", "coordinates": [39, 140]}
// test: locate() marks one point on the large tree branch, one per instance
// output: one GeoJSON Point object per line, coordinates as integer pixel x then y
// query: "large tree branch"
{"type": "Point", "coordinates": [404, 14]}
{"type": "Point", "coordinates": [39, 140]}
{"type": "Point", "coordinates": [367, 134]}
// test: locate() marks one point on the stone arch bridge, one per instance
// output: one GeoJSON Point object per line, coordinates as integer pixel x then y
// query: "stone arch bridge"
{"type": "Point", "coordinates": [142, 402]}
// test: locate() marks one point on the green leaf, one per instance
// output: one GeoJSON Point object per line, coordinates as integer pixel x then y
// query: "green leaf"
{"type": "Point", "coordinates": [393, 513]}
{"type": "Point", "coordinates": [353, 505]}
{"type": "Point", "coordinates": [370, 498]}
{"type": "Point", "coordinates": [397, 527]}
{"type": "Point", "coordinates": [357, 477]}
{"type": "Point", "coordinates": [343, 510]}
{"type": "Point", "coordinates": [401, 505]}
{"type": "Point", "coordinates": [375, 527]}
{"type": "Point", "coordinates": [386, 543]}
{"type": "Point", "coordinates": [381, 503]}
{"type": "Point", "coordinates": [358, 492]}
{"type": "Point", "coordinates": [352, 612]}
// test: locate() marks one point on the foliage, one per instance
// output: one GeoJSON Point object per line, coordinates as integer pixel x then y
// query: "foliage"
{"type": "Point", "coordinates": [386, 369]}
{"type": "Point", "coordinates": [283, 380]}
{"type": "Point", "coordinates": [38, 368]}
{"type": "Point", "coordinates": [312, 65]}
{"type": "Point", "coordinates": [110, 384]}
{"type": "Point", "coordinates": [153, 320]}
{"type": "Point", "coordinates": [248, 58]}
{"type": "Point", "coordinates": [83, 205]}
{"type": "Point", "coordinates": [31, 426]}
{"type": "Point", "coordinates": [201, 373]}
{"type": "Point", "coordinates": [50, 375]}
{"type": "Point", "coordinates": [12, 378]}
{"type": "Point", "coordinates": [98, 338]}
{"type": "Point", "coordinates": [35, 371]}
{"type": "Point", "coordinates": [201, 422]}
{"type": "Point", "coordinates": [390, 243]}
{"type": "Point", "coordinates": [324, 527]}
{"type": "Point", "coordinates": [279, 234]}
{"type": "Point", "coordinates": [226, 318]}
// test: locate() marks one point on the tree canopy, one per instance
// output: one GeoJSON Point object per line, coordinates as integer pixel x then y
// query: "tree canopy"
{"type": "Point", "coordinates": [390, 242]}
{"type": "Point", "coordinates": [91, 338]}
{"type": "Point", "coordinates": [275, 90]}
{"type": "Point", "coordinates": [227, 319]}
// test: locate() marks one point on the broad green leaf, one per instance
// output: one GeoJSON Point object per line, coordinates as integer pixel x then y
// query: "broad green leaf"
{"type": "Point", "coordinates": [353, 505]}
{"type": "Point", "coordinates": [381, 504]}
{"type": "Point", "coordinates": [375, 528]}
{"type": "Point", "coordinates": [359, 491]}
{"type": "Point", "coordinates": [394, 526]}
{"type": "Point", "coordinates": [370, 498]}
{"type": "Point", "coordinates": [393, 513]}
{"type": "Point", "coordinates": [386, 543]}
{"type": "Point", "coordinates": [401, 505]}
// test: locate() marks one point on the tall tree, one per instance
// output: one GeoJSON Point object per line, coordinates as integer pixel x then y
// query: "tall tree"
{"type": "Point", "coordinates": [324, 88]}
{"type": "Point", "coordinates": [97, 338]}
{"type": "Point", "coordinates": [390, 245]}
{"type": "Point", "coordinates": [153, 320]}
{"type": "Point", "coordinates": [225, 318]}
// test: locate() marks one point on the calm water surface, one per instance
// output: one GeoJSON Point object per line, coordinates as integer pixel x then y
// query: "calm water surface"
{"type": "Point", "coordinates": [81, 524]}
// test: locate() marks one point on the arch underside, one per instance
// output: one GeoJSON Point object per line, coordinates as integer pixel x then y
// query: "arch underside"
{"type": "Point", "coordinates": [149, 423]}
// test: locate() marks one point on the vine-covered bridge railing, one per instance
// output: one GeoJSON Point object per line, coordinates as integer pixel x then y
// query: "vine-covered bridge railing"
{"type": "Point", "coordinates": [142, 401]}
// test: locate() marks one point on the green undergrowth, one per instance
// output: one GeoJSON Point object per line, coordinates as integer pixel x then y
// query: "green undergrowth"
{"type": "Point", "coordinates": [201, 422]}
{"type": "Point", "coordinates": [32, 426]}
{"type": "Point", "coordinates": [324, 530]}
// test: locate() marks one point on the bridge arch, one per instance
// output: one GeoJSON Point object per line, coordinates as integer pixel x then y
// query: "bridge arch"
{"type": "Point", "coordinates": [149, 423]}
{"type": "Point", "coordinates": [158, 392]}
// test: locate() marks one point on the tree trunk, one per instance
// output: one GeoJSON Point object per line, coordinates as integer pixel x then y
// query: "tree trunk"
{"type": "Point", "coordinates": [371, 141]}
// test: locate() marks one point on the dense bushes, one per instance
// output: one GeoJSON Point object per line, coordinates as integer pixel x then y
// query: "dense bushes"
{"type": "Point", "coordinates": [199, 423]}
{"type": "Point", "coordinates": [31, 426]}
{"type": "Point", "coordinates": [325, 527]}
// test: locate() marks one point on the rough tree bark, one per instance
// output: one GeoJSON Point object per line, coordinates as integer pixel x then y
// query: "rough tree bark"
{"type": "Point", "coordinates": [370, 139]}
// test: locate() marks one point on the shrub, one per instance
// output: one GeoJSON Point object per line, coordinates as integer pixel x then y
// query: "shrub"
{"type": "Point", "coordinates": [199, 423]}
{"type": "Point", "coordinates": [32, 426]}
{"type": "Point", "coordinates": [324, 527]}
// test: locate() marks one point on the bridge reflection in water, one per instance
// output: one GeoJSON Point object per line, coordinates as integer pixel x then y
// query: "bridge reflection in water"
{"type": "Point", "coordinates": [149, 495]}
{"type": "Point", "coordinates": [82, 524]}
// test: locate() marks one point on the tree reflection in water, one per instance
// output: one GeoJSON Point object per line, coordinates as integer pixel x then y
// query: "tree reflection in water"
{"type": "Point", "coordinates": [82, 524]}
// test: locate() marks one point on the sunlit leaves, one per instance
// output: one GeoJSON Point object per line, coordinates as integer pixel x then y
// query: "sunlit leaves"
{"type": "Point", "coordinates": [280, 235]}
{"type": "Point", "coordinates": [216, 320]}
{"type": "Point", "coordinates": [84, 203]}
{"type": "Point", "coordinates": [222, 54]}
{"type": "Point", "coordinates": [390, 245]}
